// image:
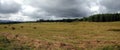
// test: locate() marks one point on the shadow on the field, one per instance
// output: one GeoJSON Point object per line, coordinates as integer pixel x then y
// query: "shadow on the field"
{"type": "Point", "coordinates": [117, 30]}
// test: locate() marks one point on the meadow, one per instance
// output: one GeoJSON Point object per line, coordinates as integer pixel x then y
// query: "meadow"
{"type": "Point", "coordinates": [68, 36]}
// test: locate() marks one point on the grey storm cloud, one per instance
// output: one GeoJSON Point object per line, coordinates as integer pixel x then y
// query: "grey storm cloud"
{"type": "Point", "coordinates": [112, 6]}
{"type": "Point", "coordinates": [63, 8]}
{"type": "Point", "coordinates": [9, 7]}
{"type": "Point", "coordinates": [48, 9]}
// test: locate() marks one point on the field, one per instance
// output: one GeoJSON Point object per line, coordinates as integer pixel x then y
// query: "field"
{"type": "Point", "coordinates": [66, 36]}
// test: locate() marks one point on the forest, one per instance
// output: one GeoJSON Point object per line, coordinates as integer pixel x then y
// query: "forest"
{"type": "Point", "coordinates": [92, 18]}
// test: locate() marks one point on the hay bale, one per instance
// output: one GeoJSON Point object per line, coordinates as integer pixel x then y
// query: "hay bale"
{"type": "Point", "coordinates": [34, 27]}
{"type": "Point", "coordinates": [22, 26]}
{"type": "Point", "coordinates": [13, 28]}
{"type": "Point", "coordinates": [5, 27]}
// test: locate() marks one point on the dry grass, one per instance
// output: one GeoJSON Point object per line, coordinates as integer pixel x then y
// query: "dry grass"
{"type": "Point", "coordinates": [80, 34]}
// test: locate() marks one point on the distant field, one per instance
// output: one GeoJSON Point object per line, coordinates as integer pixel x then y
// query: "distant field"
{"type": "Point", "coordinates": [83, 35]}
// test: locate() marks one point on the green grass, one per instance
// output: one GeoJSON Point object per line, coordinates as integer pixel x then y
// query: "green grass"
{"type": "Point", "coordinates": [72, 33]}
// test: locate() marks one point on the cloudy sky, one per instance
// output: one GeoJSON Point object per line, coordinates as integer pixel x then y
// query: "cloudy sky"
{"type": "Point", "coordinates": [29, 10]}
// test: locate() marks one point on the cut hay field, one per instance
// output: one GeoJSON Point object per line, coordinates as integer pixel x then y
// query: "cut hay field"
{"type": "Point", "coordinates": [68, 36]}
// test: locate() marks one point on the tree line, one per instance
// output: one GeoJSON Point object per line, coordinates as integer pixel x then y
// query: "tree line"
{"type": "Point", "coordinates": [93, 18]}
{"type": "Point", "coordinates": [103, 18]}
{"type": "Point", "coordinates": [61, 20]}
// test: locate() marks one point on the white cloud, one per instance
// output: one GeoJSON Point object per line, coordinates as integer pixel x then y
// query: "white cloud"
{"type": "Point", "coordinates": [25, 10]}
{"type": "Point", "coordinates": [20, 17]}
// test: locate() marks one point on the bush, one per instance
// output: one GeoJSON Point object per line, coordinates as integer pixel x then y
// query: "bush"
{"type": "Point", "coordinates": [6, 44]}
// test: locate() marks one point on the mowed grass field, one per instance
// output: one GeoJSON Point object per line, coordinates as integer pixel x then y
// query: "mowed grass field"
{"type": "Point", "coordinates": [84, 35]}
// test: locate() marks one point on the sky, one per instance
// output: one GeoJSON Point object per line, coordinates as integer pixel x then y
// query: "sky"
{"type": "Point", "coordinates": [31, 10]}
